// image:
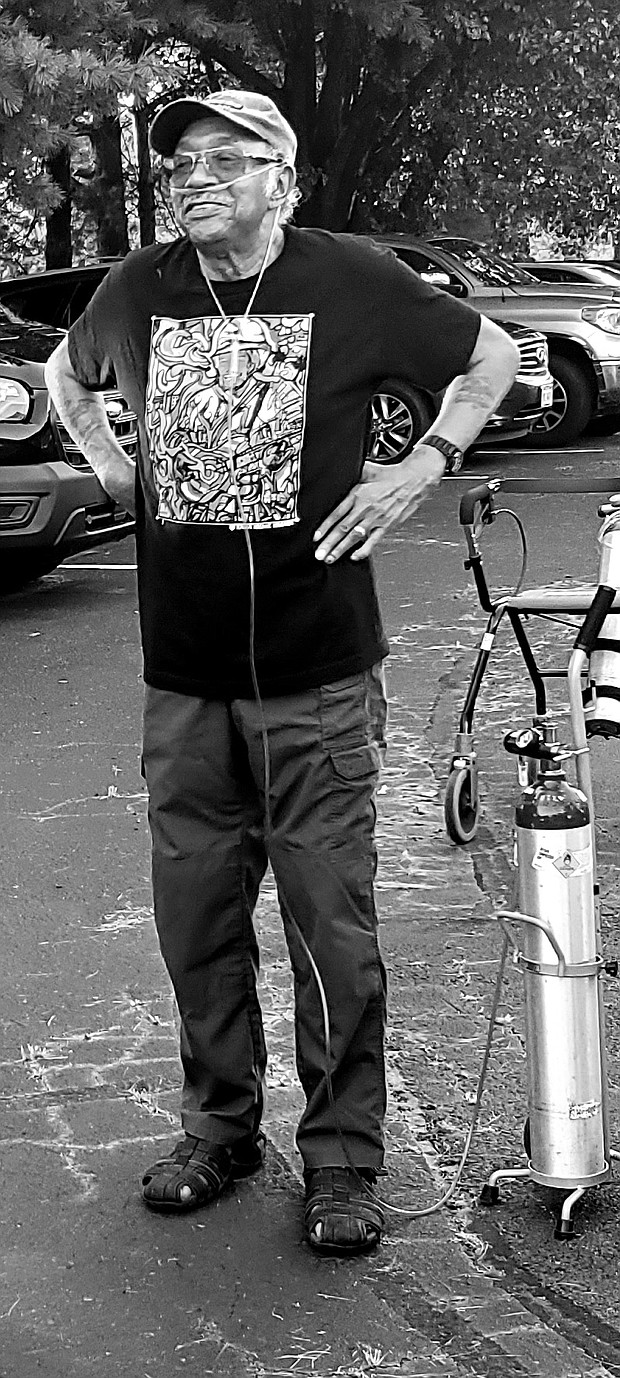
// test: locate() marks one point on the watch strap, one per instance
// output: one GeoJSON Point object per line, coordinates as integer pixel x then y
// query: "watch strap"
{"type": "Point", "coordinates": [451, 453]}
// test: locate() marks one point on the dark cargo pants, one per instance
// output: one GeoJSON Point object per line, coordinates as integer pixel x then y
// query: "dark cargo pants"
{"type": "Point", "coordinates": [205, 770]}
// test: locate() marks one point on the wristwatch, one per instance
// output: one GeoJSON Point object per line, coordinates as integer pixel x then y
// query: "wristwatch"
{"type": "Point", "coordinates": [453, 455]}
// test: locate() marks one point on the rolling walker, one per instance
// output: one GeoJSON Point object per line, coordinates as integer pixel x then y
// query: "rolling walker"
{"type": "Point", "coordinates": [554, 932]}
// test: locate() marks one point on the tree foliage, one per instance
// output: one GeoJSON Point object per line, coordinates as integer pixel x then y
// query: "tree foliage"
{"type": "Point", "coordinates": [409, 114]}
{"type": "Point", "coordinates": [64, 67]}
{"type": "Point", "coordinates": [530, 121]}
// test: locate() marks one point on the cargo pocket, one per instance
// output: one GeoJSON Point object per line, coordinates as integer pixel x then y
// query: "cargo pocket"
{"type": "Point", "coordinates": [354, 778]}
{"type": "Point", "coordinates": [358, 763]}
{"type": "Point", "coordinates": [345, 726]}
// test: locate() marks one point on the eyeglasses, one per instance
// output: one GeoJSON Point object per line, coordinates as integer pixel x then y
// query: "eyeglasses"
{"type": "Point", "coordinates": [224, 163]}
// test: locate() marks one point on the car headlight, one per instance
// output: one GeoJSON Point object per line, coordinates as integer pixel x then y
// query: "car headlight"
{"type": "Point", "coordinates": [606, 317]}
{"type": "Point", "coordinates": [15, 401]}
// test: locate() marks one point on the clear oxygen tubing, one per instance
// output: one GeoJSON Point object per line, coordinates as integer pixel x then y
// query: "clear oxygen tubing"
{"type": "Point", "coordinates": [366, 1188]}
{"type": "Point", "coordinates": [222, 186]}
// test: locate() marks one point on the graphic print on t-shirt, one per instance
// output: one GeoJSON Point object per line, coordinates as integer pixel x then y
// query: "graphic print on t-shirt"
{"type": "Point", "coordinates": [225, 414]}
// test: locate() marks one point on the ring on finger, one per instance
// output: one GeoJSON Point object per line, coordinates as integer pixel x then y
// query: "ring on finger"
{"type": "Point", "coordinates": [360, 531]}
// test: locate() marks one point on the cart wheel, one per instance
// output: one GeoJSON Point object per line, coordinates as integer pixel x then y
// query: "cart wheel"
{"type": "Point", "coordinates": [460, 811]}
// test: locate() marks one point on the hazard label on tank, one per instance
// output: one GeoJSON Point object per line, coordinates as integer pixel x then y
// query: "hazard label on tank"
{"type": "Point", "coordinates": [568, 863]}
{"type": "Point", "coordinates": [584, 1111]}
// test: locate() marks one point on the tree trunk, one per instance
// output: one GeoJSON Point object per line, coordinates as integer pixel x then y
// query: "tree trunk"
{"type": "Point", "coordinates": [109, 205]}
{"type": "Point", "coordinates": [58, 253]}
{"type": "Point", "coordinates": [299, 88]}
{"type": "Point", "coordinates": [332, 200]}
{"type": "Point", "coordinates": [146, 197]}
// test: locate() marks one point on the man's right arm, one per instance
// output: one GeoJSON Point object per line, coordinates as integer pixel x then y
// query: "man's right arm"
{"type": "Point", "coordinates": [83, 414]}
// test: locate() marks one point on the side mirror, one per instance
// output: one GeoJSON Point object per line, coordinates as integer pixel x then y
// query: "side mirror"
{"type": "Point", "coordinates": [439, 278]}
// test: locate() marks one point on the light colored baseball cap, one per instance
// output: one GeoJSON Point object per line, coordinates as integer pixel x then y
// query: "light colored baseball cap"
{"type": "Point", "coordinates": [258, 114]}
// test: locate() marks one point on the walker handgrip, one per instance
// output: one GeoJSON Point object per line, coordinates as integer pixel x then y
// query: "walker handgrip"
{"type": "Point", "coordinates": [482, 494]}
{"type": "Point", "coordinates": [588, 634]}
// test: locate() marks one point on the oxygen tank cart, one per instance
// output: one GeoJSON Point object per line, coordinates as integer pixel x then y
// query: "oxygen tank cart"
{"type": "Point", "coordinates": [558, 953]}
{"type": "Point", "coordinates": [558, 944]}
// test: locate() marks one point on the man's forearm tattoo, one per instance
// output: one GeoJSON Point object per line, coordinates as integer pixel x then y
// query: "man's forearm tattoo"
{"type": "Point", "coordinates": [84, 417]}
{"type": "Point", "coordinates": [477, 390]}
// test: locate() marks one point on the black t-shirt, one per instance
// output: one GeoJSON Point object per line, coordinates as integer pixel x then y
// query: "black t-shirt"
{"type": "Point", "coordinates": [284, 444]}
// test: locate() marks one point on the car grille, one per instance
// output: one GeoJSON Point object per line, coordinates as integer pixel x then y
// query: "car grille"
{"type": "Point", "coordinates": [123, 422]}
{"type": "Point", "coordinates": [534, 354]}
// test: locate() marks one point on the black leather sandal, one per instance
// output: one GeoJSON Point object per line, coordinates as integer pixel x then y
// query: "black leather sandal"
{"type": "Point", "coordinates": [198, 1171]}
{"type": "Point", "coordinates": [340, 1217]}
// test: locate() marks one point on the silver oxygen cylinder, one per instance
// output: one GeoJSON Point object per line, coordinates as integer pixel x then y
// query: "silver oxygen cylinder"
{"type": "Point", "coordinates": [567, 1093]}
{"type": "Point", "coordinates": [602, 695]}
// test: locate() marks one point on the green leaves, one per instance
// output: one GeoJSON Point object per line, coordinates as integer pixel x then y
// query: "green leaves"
{"type": "Point", "coordinates": [409, 114]}
{"type": "Point", "coordinates": [11, 96]}
{"type": "Point", "coordinates": [401, 20]}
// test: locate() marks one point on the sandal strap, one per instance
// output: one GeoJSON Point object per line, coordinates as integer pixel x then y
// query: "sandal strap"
{"type": "Point", "coordinates": [205, 1168]}
{"type": "Point", "coordinates": [339, 1215]}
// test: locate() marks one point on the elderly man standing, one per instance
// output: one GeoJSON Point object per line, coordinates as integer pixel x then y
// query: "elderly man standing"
{"type": "Point", "coordinates": [250, 351]}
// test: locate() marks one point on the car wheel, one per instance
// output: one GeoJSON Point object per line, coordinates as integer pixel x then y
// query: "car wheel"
{"type": "Point", "coordinates": [399, 415]}
{"type": "Point", "coordinates": [571, 410]}
{"type": "Point", "coordinates": [17, 570]}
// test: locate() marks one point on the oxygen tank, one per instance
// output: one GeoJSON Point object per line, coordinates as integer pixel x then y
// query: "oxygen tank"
{"type": "Point", "coordinates": [567, 1130]}
{"type": "Point", "coordinates": [602, 695]}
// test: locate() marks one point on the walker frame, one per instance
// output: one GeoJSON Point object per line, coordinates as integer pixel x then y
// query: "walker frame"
{"type": "Point", "coordinates": [476, 511]}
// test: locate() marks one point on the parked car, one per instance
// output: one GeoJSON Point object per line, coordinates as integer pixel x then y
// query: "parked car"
{"type": "Point", "coordinates": [580, 322]}
{"type": "Point", "coordinates": [401, 413]}
{"type": "Point", "coordinates": [556, 270]}
{"type": "Point", "coordinates": [51, 504]}
{"type": "Point", "coordinates": [494, 268]}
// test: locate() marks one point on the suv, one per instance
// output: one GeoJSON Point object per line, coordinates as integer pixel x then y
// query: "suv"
{"type": "Point", "coordinates": [51, 503]}
{"type": "Point", "coordinates": [581, 324]}
{"type": "Point", "coordinates": [400, 413]}
{"type": "Point", "coordinates": [602, 274]}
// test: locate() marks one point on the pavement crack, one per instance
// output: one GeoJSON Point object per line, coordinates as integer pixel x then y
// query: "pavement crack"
{"type": "Point", "coordinates": [592, 1333]}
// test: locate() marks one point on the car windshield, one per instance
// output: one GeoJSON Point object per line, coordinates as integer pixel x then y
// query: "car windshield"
{"type": "Point", "coordinates": [490, 267]}
{"type": "Point", "coordinates": [567, 273]}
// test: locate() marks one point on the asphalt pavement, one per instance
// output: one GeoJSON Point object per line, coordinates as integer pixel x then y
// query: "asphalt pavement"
{"type": "Point", "coordinates": [91, 1283]}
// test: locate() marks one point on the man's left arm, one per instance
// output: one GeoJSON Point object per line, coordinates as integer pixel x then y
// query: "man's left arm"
{"type": "Point", "coordinates": [388, 495]}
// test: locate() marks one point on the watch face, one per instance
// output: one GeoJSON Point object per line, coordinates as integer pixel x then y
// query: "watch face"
{"type": "Point", "coordinates": [453, 455]}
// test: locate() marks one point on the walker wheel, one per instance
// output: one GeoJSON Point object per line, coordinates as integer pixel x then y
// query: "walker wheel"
{"type": "Point", "coordinates": [489, 1196]}
{"type": "Point", "coordinates": [527, 1137]}
{"type": "Point", "coordinates": [461, 806]}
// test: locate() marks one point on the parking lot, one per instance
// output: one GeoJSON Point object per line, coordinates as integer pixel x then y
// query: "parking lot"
{"type": "Point", "coordinates": [90, 1281]}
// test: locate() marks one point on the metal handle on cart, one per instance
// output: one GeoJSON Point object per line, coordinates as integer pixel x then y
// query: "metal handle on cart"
{"type": "Point", "coordinates": [505, 914]}
{"type": "Point", "coordinates": [588, 633]}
